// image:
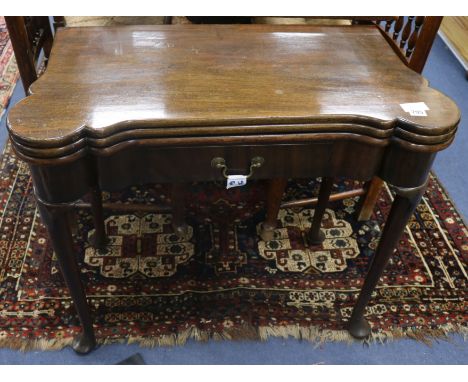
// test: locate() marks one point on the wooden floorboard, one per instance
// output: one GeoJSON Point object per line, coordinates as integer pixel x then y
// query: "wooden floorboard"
{"type": "Point", "coordinates": [455, 30]}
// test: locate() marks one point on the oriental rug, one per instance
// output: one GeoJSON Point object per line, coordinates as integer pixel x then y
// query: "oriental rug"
{"type": "Point", "coordinates": [221, 281]}
{"type": "Point", "coordinates": [8, 69]}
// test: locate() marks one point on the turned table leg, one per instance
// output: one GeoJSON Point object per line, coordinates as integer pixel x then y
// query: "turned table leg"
{"type": "Point", "coordinates": [55, 219]}
{"type": "Point", "coordinates": [405, 202]}
{"type": "Point", "coordinates": [99, 240]}
{"type": "Point", "coordinates": [274, 193]}
{"type": "Point", "coordinates": [316, 235]}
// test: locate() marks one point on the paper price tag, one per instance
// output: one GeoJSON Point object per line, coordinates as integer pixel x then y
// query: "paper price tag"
{"type": "Point", "coordinates": [415, 109]}
{"type": "Point", "coordinates": [418, 113]}
{"type": "Point", "coordinates": [236, 181]}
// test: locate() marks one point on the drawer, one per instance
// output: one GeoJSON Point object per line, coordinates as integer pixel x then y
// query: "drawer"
{"type": "Point", "coordinates": [185, 164]}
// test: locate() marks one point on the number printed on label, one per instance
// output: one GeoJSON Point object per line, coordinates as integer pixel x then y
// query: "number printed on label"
{"type": "Point", "coordinates": [418, 113]}
{"type": "Point", "coordinates": [415, 109]}
{"type": "Point", "coordinates": [236, 181]}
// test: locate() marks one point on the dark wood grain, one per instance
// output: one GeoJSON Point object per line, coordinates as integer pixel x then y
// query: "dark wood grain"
{"type": "Point", "coordinates": [30, 36]}
{"type": "Point", "coordinates": [412, 37]}
{"type": "Point", "coordinates": [315, 236]}
{"type": "Point", "coordinates": [135, 105]}
{"type": "Point", "coordinates": [406, 201]}
{"type": "Point", "coordinates": [372, 193]}
{"type": "Point", "coordinates": [101, 81]}
{"type": "Point", "coordinates": [99, 240]}
{"type": "Point", "coordinates": [274, 193]}
{"type": "Point", "coordinates": [310, 202]}
{"type": "Point", "coordinates": [55, 219]}
{"type": "Point", "coordinates": [20, 41]}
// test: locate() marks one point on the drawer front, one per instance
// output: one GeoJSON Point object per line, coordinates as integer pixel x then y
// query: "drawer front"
{"type": "Point", "coordinates": [185, 164]}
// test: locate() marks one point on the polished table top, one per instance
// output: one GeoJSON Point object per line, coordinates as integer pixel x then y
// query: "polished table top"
{"type": "Point", "coordinates": [175, 80]}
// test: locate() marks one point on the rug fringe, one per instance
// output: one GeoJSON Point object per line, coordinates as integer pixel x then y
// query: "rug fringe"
{"type": "Point", "coordinates": [314, 335]}
{"type": "Point", "coordinates": [35, 344]}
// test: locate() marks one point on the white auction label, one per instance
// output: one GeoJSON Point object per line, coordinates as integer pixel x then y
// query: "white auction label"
{"type": "Point", "coordinates": [236, 181]}
{"type": "Point", "coordinates": [416, 109]}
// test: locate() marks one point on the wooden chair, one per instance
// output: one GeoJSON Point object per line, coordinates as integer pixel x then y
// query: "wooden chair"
{"type": "Point", "coordinates": [30, 36]}
{"type": "Point", "coordinates": [411, 37]}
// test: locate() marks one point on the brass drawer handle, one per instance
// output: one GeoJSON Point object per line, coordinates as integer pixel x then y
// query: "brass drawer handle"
{"type": "Point", "coordinates": [220, 163]}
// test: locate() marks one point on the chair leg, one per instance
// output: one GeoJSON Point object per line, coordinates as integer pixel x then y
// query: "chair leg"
{"type": "Point", "coordinates": [370, 198]}
{"type": "Point", "coordinates": [403, 207]}
{"type": "Point", "coordinates": [178, 209]}
{"type": "Point", "coordinates": [274, 194]}
{"type": "Point", "coordinates": [99, 240]}
{"type": "Point", "coordinates": [72, 218]}
{"type": "Point", "coordinates": [316, 235]}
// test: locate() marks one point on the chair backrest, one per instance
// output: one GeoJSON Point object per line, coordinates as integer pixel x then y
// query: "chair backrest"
{"type": "Point", "coordinates": [411, 37]}
{"type": "Point", "coordinates": [30, 35]}
{"type": "Point", "coordinates": [58, 21]}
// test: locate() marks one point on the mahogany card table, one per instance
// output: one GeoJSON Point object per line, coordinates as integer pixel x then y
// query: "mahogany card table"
{"type": "Point", "coordinates": [120, 106]}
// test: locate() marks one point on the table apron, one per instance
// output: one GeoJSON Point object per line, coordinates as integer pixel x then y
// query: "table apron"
{"type": "Point", "coordinates": [144, 165]}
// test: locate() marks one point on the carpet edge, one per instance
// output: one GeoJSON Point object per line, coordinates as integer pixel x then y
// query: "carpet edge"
{"type": "Point", "coordinates": [444, 189]}
{"type": "Point", "coordinates": [311, 334]}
